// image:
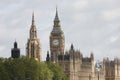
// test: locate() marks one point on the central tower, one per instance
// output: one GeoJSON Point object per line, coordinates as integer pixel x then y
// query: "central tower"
{"type": "Point", "coordinates": [57, 41]}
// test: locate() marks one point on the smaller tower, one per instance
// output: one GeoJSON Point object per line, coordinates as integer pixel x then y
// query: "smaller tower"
{"type": "Point", "coordinates": [92, 56]}
{"type": "Point", "coordinates": [33, 49]}
{"type": "Point", "coordinates": [72, 47]}
{"type": "Point", "coordinates": [15, 52]}
{"type": "Point", "coordinates": [48, 57]}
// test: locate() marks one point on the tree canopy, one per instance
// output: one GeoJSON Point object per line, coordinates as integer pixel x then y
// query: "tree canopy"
{"type": "Point", "coordinates": [25, 68]}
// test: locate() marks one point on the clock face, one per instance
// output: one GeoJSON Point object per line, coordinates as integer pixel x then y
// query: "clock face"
{"type": "Point", "coordinates": [55, 42]}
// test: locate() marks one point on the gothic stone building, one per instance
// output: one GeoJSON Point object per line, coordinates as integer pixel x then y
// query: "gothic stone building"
{"type": "Point", "coordinates": [74, 64]}
{"type": "Point", "coordinates": [72, 61]}
{"type": "Point", "coordinates": [33, 49]}
{"type": "Point", "coordinates": [111, 69]}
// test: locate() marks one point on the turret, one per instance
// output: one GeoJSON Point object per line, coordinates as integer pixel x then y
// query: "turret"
{"type": "Point", "coordinates": [92, 56]}
{"type": "Point", "coordinates": [71, 51]}
{"type": "Point", "coordinates": [15, 52]}
{"type": "Point", "coordinates": [48, 57]}
{"type": "Point", "coordinates": [33, 30]}
{"type": "Point", "coordinates": [33, 49]}
{"type": "Point", "coordinates": [15, 44]}
{"type": "Point", "coordinates": [72, 47]}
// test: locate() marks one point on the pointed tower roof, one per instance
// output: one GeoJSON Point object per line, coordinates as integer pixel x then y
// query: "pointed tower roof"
{"type": "Point", "coordinates": [56, 16]}
{"type": "Point", "coordinates": [33, 30]}
{"type": "Point", "coordinates": [33, 26]}
{"type": "Point", "coordinates": [72, 47]}
{"type": "Point", "coordinates": [33, 21]}
{"type": "Point", "coordinates": [15, 44]}
{"type": "Point", "coordinates": [47, 53]}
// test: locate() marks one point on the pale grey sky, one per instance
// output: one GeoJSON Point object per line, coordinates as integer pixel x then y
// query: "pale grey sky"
{"type": "Point", "coordinates": [91, 25]}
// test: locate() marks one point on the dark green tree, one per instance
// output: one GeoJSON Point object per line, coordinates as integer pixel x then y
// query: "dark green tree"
{"type": "Point", "coordinates": [3, 73]}
{"type": "Point", "coordinates": [58, 73]}
{"type": "Point", "coordinates": [25, 68]}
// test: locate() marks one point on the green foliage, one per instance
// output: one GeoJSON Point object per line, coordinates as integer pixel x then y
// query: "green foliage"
{"type": "Point", "coordinates": [24, 68]}
{"type": "Point", "coordinates": [3, 74]}
{"type": "Point", "coordinates": [58, 73]}
{"type": "Point", "coordinates": [45, 72]}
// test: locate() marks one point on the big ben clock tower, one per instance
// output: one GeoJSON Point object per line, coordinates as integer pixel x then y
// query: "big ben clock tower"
{"type": "Point", "coordinates": [57, 41]}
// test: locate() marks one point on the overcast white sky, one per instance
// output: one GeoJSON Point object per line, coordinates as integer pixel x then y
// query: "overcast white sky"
{"type": "Point", "coordinates": [91, 25]}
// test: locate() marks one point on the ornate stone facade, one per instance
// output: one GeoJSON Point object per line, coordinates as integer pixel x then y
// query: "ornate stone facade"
{"type": "Point", "coordinates": [72, 61]}
{"type": "Point", "coordinates": [57, 41]}
{"type": "Point", "coordinates": [112, 69]}
{"type": "Point", "coordinates": [33, 49]}
{"type": "Point", "coordinates": [74, 64]}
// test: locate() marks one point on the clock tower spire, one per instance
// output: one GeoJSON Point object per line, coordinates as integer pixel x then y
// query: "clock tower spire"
{"type": "Point", "coordinates": [57, 41]}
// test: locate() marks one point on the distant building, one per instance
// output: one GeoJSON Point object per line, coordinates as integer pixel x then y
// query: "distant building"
{"type": "Point", "coordinates": [15, 52]}
{"type": "Point", "coordinates": [111, 69]}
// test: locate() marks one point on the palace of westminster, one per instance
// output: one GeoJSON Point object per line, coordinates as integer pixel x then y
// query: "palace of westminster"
{"type": "Point", "coordinates": [72, 61]}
